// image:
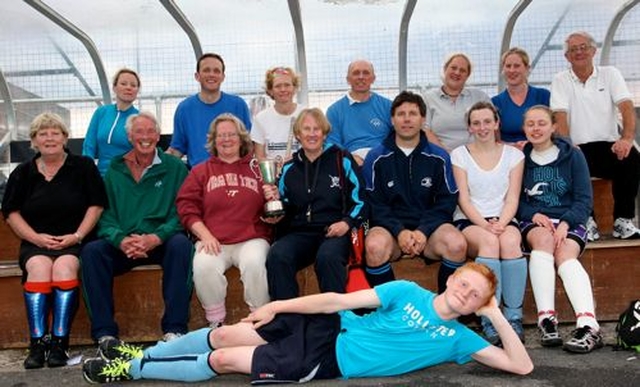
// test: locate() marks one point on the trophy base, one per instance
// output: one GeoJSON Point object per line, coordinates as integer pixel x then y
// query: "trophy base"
{"type": "Point", "coordinates": [274, 214]}
{"type": "Point", "coordinates": [273, 209]}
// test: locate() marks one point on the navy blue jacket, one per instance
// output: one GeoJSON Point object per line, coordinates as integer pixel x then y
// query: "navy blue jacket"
{"type": "Point", "coordinates": [410, 192]}
{"type": "Point", "coordinates": [560, 190]}
{"type": "Point", "coordinates": [328, 202]}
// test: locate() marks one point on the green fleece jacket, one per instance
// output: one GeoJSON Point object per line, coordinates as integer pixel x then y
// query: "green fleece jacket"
{"type": "Point", "coordinates": [145, 207]}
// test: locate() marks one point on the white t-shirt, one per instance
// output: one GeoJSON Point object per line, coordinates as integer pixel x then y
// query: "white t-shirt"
{"type": "Point", "coordinates": [591, 106]}
{"type": "Point", "coordinates": [274, 130]}
{"type": "Point", "coordinates": [487, 188]}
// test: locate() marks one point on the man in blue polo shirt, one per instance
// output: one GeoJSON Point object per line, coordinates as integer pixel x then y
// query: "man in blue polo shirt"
{"type": "Point", "coordinates": [195, 114]}
{"type": "Point", "coordinates": [361, 119]}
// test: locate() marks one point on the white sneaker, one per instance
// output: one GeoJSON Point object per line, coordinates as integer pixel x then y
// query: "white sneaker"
{"type": "Point", "coordinates": [171, 336]}
{"type": "Point", "coordinates": [623, 228]}
{"type": "Point", "coordinates": [592, 230]}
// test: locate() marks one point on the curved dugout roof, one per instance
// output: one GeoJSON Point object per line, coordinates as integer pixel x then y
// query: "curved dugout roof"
{"type": "Point", "coordinates": [45, 64]}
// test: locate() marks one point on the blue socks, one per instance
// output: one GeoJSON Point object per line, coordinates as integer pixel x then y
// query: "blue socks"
{"type": "Point", "coordinates": [191, 368]}
{"type": "Point", "coordinates": [496, 268]}
{"type": "Point", "coordinates": [194, 342]}
{"type": "Point", "coordinates": [185, 359]}
{"type": "Point", "coordinates": [379, 274]}
{"type": "Point", "coordinates": [447, 268]}
{"type": "Point", "coordinates": [514, 281]}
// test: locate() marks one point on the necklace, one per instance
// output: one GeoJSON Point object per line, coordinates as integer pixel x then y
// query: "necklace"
{"type": "Point", "coordinates": [47, 173]}
{"type": "Point", "coordinates": [451, 95]}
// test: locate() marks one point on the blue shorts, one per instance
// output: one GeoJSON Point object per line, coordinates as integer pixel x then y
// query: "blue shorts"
{"type": "Point", "coordinates": [300, 347]}
{"type": "Point", "coordinates": [461, 224]}
{"type": "Point", "coordinates": [578, 234]}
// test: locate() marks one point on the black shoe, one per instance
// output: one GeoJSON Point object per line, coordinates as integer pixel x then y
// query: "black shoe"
{"type": "Point", "coordinates": [584, 340]}
{"type": "Point", "coordinates": [112, 349]}
{"type": "Point", "coordinates": [98, 370]}
{"type": "Point", "coordinates": [549, 335]}
{"type": "Point", "coordinates": [37, 354]}
{"type": "Point", "coordinates": [58, 355]}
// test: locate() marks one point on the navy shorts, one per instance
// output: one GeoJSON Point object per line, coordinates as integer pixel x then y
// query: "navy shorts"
{"type": "Point", "coordinates": [300, 347]}
{"type": "Point", "coordinates": [461, 224]}
{"type": "Point", "coordinates": [578, 234]}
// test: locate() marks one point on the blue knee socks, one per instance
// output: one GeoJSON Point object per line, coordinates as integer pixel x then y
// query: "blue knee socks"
{"type": "Point", "coordinates": [191, 368]}
{"type": "Point", "coordinates": [447, 268]}
{"type": "Point", "coordinates": [496, 268]}
{"type": "Point", "coordinates": [379, 274]}
{"type": "Point", "coordinates": [194, 342]}
{"type": "Point", "coordinates": [514, 281]}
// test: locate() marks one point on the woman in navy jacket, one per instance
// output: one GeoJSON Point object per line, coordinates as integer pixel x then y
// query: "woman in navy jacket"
{"type": "Point", "coordinates": [555, 203]}
{"type": "Point", "coordinates": [322, 192]}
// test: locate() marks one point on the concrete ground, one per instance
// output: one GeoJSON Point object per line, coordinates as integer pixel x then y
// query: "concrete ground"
{"type": "Point", "coordinates": [553, 367]}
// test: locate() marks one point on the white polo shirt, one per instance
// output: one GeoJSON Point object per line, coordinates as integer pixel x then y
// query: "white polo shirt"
{"type": "Point", "coordinates": [591, 107]}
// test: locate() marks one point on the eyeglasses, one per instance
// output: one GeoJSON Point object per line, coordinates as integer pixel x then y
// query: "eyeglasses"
{"type": "Point", "coordinates": [225, 136]}
{"type": "Point", "coordinates": [580, 48]}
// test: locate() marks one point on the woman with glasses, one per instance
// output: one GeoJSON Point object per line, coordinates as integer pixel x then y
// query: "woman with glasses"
{"type": "Point", "coordinates": [221, 203]}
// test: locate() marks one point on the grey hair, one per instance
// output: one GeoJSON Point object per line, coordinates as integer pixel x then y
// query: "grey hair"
{"type": "Point", "coordinates": [129, 124]}
{"type": "Point", "coordinates": [584, 34]}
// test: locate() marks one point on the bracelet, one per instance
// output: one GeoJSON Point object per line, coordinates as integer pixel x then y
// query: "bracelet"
{"type": "Point", "coordinates": [78, 237]}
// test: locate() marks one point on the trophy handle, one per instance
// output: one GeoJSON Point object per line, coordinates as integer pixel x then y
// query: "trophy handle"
{"type": "Point", "coordinates": [255, 168]}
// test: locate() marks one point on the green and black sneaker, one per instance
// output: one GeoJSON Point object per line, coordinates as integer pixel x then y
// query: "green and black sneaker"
{"type": "Point", "coordinates": [112, 349]}
{"type": "Point", "coordinates": [98, 370]}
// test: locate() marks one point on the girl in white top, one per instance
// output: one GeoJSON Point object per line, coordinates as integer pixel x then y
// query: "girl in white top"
{"type": "Point", "coordinates": [489, 177]}
{"type": "Point", "coordinates": [272, 131]}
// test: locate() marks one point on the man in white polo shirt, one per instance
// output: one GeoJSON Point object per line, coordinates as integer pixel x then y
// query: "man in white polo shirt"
{"type": "Point", "coordinates": [584, 99]}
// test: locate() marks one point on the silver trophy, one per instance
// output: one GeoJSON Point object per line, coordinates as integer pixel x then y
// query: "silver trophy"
{"type": "Point", "coordinates": [269, 172]}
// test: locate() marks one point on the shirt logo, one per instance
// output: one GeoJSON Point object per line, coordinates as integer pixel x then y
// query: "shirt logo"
{"type": "Point", "coordinates": [426, 182]}
{"type": "Point", "coordinates": [158, 184]}
{"type": "Point", "coordinates": [376, 123]}
{"type": "Point", "coordinates": [335, 181]}
{"type": "Point", "coordinates": [390, 183]}
{"type": "Point", "coordinates": [536, 190]}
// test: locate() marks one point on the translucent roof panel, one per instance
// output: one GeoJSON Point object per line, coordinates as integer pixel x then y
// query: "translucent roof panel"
{"type": "Point", "coordinates": [43, 63]}
{"type": "Point", "coordinates": [139, 34]}
{"type": "Point", "coordinates": [625, 52]}
{"type": "Point", "coordinates": [439, 29]}
{"type": "Point", "coordinates": [545, 24]}
{"type": "Point", "coordinates": [251, 36]}
{"type": "Point", "coordinates": [364, 29]}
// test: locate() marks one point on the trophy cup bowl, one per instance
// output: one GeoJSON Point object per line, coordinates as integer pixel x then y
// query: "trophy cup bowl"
{"type": "Point", "coordinates": [269, 171]}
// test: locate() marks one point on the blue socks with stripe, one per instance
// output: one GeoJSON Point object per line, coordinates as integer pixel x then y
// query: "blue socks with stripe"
{"type": "Point", "coordinates": [194, 342]}
{"type": "Point", "coordinates": [189, 368]}
{"type": "Point", "coordinates": [379, 275]}
{"type": "Point", "coordinates": [447, 268]}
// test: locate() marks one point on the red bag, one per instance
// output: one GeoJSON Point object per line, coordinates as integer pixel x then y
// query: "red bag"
{"type": "Point", "coordinates": [356, 278]}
